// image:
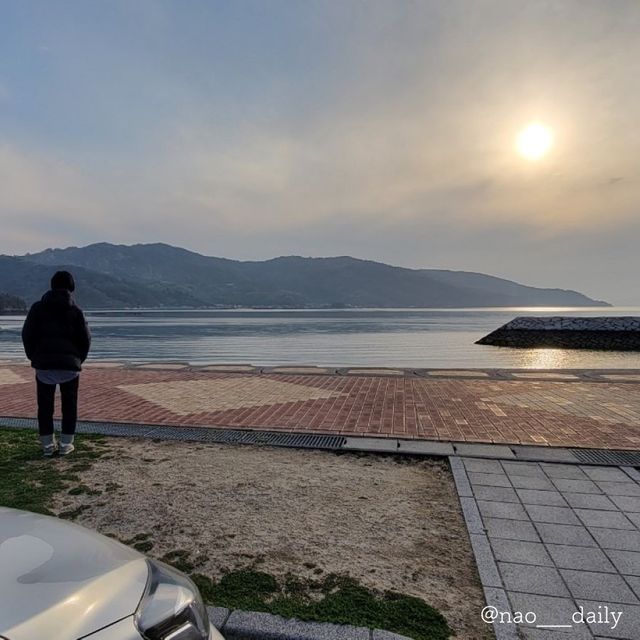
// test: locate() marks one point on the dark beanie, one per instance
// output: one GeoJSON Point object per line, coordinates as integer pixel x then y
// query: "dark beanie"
{"type": "Point", "coordinates": [63, 280]}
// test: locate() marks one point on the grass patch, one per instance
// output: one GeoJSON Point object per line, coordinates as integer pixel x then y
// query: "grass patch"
{"type": "Point", "coordinates": [337, 599]}
{"type": "Point", "coordinates": [83, 489]}
{"type": "Point", "coordinates": [140, 542]}
{"type": "Point", "coordinates": [143, 546]}
{"type": "Point", "coordinates": [332, 598]}
{"type": "Point", "coordinates": [72, 514]}
{"type": "Point", "coordinates": [30, 481]}
{"type": "Point", "coordinates": [180, 559]}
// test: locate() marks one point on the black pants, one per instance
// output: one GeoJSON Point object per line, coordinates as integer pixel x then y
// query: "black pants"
{"type": "Point", "coordinates": [46, 400]}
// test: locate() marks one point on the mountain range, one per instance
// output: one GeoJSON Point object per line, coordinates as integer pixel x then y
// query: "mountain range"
{"type": "Point", "coordinates": [163, 276]}
{"type": "Point", "coordinates": [12, 304]}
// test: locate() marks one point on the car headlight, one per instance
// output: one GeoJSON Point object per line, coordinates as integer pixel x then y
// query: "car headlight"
{"type": "Point", "coordinates": [171, 607]}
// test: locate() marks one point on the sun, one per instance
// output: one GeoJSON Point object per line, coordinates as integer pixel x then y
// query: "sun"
{"type": "Point", "coordinates": [534, 141]}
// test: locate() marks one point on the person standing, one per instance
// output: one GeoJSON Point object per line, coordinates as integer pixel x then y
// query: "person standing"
{"type": "Point", "coordinates": [57, 339]}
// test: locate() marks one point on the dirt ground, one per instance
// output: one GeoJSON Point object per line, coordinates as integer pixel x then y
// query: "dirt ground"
{"type": "Point", "coordinates": [392, 523]}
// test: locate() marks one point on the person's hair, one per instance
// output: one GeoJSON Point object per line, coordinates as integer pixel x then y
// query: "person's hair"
{"type": "Point", "coordinates": [63, 280]}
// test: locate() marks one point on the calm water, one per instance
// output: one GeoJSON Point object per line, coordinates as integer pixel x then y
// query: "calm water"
{"type": "Point", "coordinates": [398, 337]}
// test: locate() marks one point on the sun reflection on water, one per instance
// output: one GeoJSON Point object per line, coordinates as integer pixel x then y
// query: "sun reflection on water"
{"type": "Point", "coordinates": [543, 358]}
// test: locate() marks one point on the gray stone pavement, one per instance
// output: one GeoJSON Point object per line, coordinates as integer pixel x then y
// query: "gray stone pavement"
{"type": "Point", "coordinates": [558, 541]}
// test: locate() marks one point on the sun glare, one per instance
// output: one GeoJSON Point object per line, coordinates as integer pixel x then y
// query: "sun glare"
{"type": "Point", "coordinates": [534, 141]}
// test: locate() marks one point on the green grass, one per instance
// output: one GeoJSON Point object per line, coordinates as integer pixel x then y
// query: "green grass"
{"type": "Point", "coordinates": [140, 542]}
{"type": "Point", "coordinates": [82, 488]}
{"type": "Point", "coordinates": [337, 599]}
{"type": "Point", "coordinates": [30, 481]}
{"type": "Point", "coordinates": [180, 559]}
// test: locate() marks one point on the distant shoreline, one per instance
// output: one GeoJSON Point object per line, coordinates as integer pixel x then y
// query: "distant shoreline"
{"type": "Point", "coordinates": [239, 309]}
{"type": "Point", "coordinates": [339, 309]}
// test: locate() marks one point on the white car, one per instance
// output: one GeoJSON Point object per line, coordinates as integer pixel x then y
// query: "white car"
{"type": "Point", "coordinates": [60, 581]}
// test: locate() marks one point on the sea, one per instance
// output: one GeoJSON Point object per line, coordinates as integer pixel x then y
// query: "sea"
{"type": "Point", "coordinates": [420, 338]}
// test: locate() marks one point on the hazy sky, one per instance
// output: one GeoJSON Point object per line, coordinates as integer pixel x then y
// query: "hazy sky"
{"type": "Point", "coordinates": [379, 129]}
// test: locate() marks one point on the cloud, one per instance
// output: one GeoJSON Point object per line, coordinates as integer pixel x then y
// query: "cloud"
{"type": "Point", "coordinates": [420, 119]}
{"type": "Point", "coordinates": [384, 130]}
{"type": "Point", "coordinates": [373, 168]}
{"type": "Point", "coordinates": [44, 198]}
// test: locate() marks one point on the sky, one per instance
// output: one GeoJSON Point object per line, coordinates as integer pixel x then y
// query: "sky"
{"type": "Point", "coordinates": [381, 129]}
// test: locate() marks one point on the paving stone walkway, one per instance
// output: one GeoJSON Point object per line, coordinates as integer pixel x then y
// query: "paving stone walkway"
{"type": "Point", "coordinates": [560, 409]}
{"type": "Point", "coordinates": [555, 540]}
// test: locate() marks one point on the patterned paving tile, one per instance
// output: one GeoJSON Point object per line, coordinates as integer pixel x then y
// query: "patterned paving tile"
{"type": "Point", "coordinates": [8, 377]}
{"type": "Point", "coordinates": [491, 411]}
{"type": "Point", "coordinates": [458, 373]}
{"type": "Point", "coordinates": [534, 375]}
{"type": "Point", "coordinates": [103, 364]}
{"type": "Point", "coordinates": [376, 372]}
{"type": "Point", "coordinates": [162, 365]}
{"type": "Point", "coordinates": [228, 367]}
{"type": "Point", "coordinates": [581, 399]}
{"type": "Point", "coordinates": [299, 370]}
{"type": "Point", "coordinates": [197, 396]}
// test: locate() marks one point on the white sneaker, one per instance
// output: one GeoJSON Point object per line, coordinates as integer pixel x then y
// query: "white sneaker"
{"type": "Point", "coordinates": [49, 449]}
{"type": "Point", "coordinates": [66, 449]}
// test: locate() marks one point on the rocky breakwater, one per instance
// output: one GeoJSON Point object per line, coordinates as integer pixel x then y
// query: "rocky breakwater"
{"type": "Point", "coordinates": [604, 333]}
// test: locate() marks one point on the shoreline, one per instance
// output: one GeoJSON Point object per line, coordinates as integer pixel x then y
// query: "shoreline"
{"type": "Point", "coordinates": [591, 374]}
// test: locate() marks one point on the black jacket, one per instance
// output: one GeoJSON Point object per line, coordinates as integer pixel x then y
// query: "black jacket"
{"type": "Point", "coordinates": [55, 334]}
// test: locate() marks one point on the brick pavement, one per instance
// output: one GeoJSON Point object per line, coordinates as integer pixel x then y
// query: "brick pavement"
{"type": "Point", "coordinates": [451, 406]}
{"type": "Point", "coordinates": [552, 538]}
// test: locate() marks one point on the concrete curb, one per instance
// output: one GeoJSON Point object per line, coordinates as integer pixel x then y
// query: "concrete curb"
{"type": "Point", "coordinates": [255, 625]}
{"type": "Point", "coordinates": [336, 442]}
{"type": "Point", "coordinates": [487, 568]}
{"type": "Point", "coordinates": [429, 373]}
{"type": "Point", "coordinates": [348, 443]}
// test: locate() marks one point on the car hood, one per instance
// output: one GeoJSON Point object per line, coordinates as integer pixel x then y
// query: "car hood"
{"type": "Point", "coordinates": [60, 581]}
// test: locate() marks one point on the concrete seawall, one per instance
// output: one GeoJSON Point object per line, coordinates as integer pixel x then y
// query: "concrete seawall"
{"type": "Point", "coordinates": [603, 333]}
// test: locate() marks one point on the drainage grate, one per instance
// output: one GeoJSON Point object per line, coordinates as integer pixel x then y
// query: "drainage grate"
{"type": "Point", "coordinates": [103, 428]}
{"type": "Point", "coordinates": [21, 423]}
{"type": "Point", "coordinates": [195, 434]}
{"type": "Point", "coordinates": [236, 436]}
{"type": "Point", "coordinates": [115, 429]}
{"type": "Point", "coordinates": [604, 456]}
{"type": "Point", "coordinates": [198, 434]}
